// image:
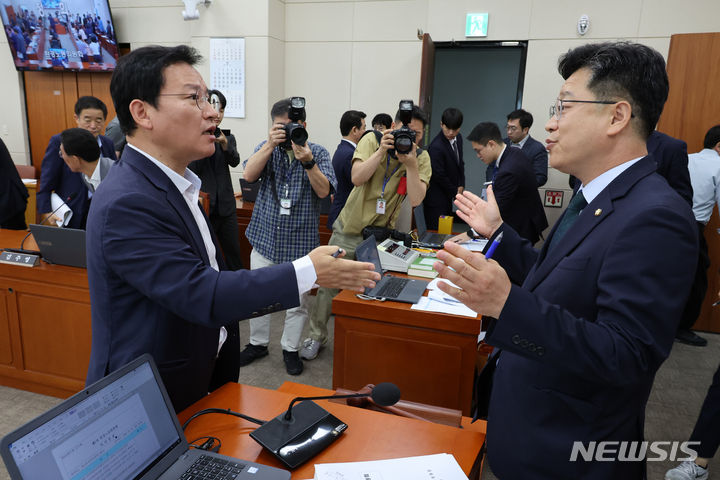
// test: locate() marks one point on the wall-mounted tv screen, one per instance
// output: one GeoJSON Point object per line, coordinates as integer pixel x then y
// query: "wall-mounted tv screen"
{"type": "Point", "coordinates": [60, 34]}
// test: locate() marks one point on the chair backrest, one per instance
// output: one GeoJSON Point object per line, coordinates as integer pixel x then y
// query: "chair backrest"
{"type": "Point", "coordinates": [205, 200]}
{"type": "Point", "coordinates": [27, 171]}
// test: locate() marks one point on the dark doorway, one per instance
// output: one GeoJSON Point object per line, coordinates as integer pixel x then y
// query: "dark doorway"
{"type": "Point", "coordinates": [484, 80]}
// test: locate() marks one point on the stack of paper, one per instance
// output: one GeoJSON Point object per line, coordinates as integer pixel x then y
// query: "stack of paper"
{"type": "Point", "coordinates": [441, 302]}
{"type": "Point", "coordinates": [427, 467]}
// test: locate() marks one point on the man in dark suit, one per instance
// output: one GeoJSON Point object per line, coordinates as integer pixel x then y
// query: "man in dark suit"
{"type": "Point", "coordinates": [584, 323]}
{"type": "Point", "coordinates": [352, 128]}
{"type": "Point", "coordinates": [216, 182]}
{"type": "Point", "coordinates": [513, 181]}
{"type": "Point", "coordinates": [448, 168]}
{"type": "Point", "coordinates": [518, 135]}
{"type": "Point", "coordinates": [56, 176]}
{"type": "Point", "coordinates": [13, 194]}
{"type": "Point", "coordinates": [157, 283]}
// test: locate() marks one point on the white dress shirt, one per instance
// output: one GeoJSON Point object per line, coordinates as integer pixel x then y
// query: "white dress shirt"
{"type": "Point", "coordinates": [704, 168]}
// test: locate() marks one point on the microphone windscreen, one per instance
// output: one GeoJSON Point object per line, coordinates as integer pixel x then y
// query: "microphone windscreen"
{"type": "Point", "coordinates": [385, 394]}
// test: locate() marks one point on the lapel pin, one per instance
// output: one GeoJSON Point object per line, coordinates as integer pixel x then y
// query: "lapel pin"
{"type": "Point", "coordinates": [598, 212]}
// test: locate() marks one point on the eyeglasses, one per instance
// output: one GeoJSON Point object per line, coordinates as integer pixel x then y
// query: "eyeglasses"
{"type": "Point", "coordinates": [201, 97]}
{"type": "Point", "coordinates": [558, 107]}
{"type": "Point", "coordinates": [511, 128]}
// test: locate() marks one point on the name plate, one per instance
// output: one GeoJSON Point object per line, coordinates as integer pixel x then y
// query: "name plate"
{"type": "Point", "coordinates": [24, 259]}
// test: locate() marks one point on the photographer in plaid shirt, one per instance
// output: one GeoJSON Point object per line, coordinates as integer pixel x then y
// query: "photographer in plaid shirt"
{"type": "Point", "coordinates": [284, 223]}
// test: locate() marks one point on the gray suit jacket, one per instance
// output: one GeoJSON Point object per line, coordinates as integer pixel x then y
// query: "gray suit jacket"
{"type": "Point", "coordinates": [104, 163]}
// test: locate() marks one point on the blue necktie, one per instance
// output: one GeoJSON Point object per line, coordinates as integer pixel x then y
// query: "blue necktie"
{"type": "Point", "coordinates": [577, 203]}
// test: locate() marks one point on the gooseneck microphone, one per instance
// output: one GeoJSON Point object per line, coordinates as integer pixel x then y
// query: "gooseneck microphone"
{"type": "Point", "coordinates": [70, 198]}
{"type": "Point", "coordinates": [384, 394]}
{"type": "Point", "coordinates": [305, 429]}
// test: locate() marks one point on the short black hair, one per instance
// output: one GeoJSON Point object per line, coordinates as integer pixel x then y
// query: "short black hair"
{"type": "Point", "coordinates": [525, 118]}
{"type": "Point", "coordinates": [90, 102]}
{"type": "Point", "coordinates": [417, 114]}
{"type": "Point", "coordinates": [220, 96]}
{"type": "Point", "coordinates": [623, 71]}
{"type": "Point", "coordinates": [140, 75]}
{"type": "Point", "coordinates": [282, 107]}
{"type": "Point", "coordinates": [80, 142]}
{"type": "Point", "coordinates": [712, 137]}
{"type": "Point", "coordinates": [484, 132]}
{"type": "Point", "coordinates": [350, 119]}
{"type": "Point", "coordinates": [452, 118]}
{"type": "Point", "coordinates": [383, 119]}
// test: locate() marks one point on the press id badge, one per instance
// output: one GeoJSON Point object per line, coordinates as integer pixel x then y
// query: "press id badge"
{"type": "Point", "coordinates": [380, 206]}
{"type": "Point", "coordinates": [285, 205]}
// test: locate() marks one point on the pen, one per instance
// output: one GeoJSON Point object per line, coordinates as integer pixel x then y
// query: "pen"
{"type": "Point", "coordinates": [339, 251]}
{"type": "Point", "coordinates": [716, 303]}
{"type": "Point", "coordinates": [493, 246]}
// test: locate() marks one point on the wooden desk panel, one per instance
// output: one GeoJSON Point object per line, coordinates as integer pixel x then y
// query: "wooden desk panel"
{"type": "Point", "coordinates": [370, 435]}
{"type": "Point", "coordinates": [45, 311]}
{"type": "Point", "coordinates": [430, 356]}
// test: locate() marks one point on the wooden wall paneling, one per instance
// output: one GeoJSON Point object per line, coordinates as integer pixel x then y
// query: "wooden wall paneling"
{"type": "Point", "coordinates": [70, 95]}
{"type": "Point", "coordinates": [100, 83]}
{"type": "Point", "coordinates": [693, 106]}
{"type": "Point", "coordinates": [46, 110]}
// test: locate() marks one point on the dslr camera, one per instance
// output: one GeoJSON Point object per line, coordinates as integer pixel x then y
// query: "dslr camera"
{"type": "Point", "coordinates": [294, 131]}
{"type": "Point", "coordinates": [404, 136]}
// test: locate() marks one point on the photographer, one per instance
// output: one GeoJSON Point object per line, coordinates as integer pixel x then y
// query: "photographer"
{"type": "Point", "coordinates": [214, 173]}
{"type": "Point", "coordinates": [385, 169]}
{"type": "Point", "coordinates": [296, 175]}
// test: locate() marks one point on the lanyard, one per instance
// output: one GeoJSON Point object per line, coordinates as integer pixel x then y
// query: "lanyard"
{"type": "Point", "coordinates": [387, 178]}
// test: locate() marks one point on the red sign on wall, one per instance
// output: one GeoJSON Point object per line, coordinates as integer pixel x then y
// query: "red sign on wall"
{"type": "Point", "coordinates": [554, 198]}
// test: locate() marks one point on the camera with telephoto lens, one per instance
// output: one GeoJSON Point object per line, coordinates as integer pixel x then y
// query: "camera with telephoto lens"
{"type": "Point", "coordinates": [294, 131]}
{"type": "Point", "coordinates": [404, 136]}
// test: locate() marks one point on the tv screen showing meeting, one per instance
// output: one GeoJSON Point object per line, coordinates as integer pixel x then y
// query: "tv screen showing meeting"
{"type": "Point", "coordinates": [76, 35]}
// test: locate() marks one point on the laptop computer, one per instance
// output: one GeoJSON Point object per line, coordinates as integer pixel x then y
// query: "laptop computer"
{"type": "Point", "coordinates": [121, 427]}
{"type": "Point", "coordinates": [391, 288]}
{"type": "Point", "coordinates": [249, 190]}
{"type": "Point", "coordinates": [62, 246]}
{"type": "Point", "coordinates": [425, 238]}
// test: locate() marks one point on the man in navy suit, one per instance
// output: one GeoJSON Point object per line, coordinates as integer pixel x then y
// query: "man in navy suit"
{"type": "Point", "coordinates": [157, 283]}
{"type": "Point", "coordinates": [513, 181]}
{"type": "Point", "coordinates": [448, 168]}
{"type": "Point", "coordinates": [352, 128]}
{"type": "Point", "coordinates": [518, 135]}
{"type": "Point", "coordinates": [581, 326]}
{"type": "Point", "coordinates": [56, 176]}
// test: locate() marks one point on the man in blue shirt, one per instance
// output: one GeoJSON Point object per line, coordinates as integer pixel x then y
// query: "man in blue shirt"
{"type": "Point", "coordinates": [284, 223]}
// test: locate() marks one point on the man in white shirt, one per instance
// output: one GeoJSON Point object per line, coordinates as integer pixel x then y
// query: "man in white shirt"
{"type": "Point", "coordinates": [81, 153]}
{"type": "Point", "coordinates": [157, 283]}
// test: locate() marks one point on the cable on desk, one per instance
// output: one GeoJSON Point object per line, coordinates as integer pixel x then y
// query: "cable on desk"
{"type": "Point", "coordinates": [226, 412]}
{"type": "Point", "coordinates": [211, 444]}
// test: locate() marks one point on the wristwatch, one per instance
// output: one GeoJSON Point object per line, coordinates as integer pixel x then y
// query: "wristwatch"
{"type": "Point", "coordinates": [308, 165]}
{"type": "Point", "coordinates": [472, 234]}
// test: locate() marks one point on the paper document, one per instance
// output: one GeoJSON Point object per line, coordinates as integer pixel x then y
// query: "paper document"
{"type": "Point", "coordinates": [475, 245]}
{"type": "Point", "coordinates": [441, 302]}
{"type": "Point", "coordinates": [427, 467]}
{"type": "Point", "coordinates": [63, 211]}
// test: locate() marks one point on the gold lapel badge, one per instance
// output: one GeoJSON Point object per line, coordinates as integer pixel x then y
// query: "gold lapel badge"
{"type": "Point", "coordinates": [598, 212]}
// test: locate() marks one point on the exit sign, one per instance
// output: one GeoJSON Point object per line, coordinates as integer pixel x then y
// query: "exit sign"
{"type": "Point", "coordinates": [476, 25]}
{"type": "Point", "coordinates": [554, 198]}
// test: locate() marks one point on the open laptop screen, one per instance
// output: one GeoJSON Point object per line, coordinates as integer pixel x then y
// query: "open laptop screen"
{"type": "Point", "coordinates": [117, 432]}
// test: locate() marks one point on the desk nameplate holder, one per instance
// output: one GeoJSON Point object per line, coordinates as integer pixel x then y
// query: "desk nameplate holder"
{"type": "Point", "coordinates": [22, 259]}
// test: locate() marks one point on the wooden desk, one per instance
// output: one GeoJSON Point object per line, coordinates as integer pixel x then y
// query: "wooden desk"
{"type": "Point", "coordinates": [370, 435]}
{"type": "Point", "coordinates": [31, 209]}
{"type": "Point", "coordinates": [44, 324]}
{"type": "Point", "coordinates": [430, 356]}
{"type": "Point", "coordinates": [244, 214]}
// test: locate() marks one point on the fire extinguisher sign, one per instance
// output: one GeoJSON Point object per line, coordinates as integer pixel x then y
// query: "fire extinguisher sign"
{"type": "Point", "coordinates": [554, 198]}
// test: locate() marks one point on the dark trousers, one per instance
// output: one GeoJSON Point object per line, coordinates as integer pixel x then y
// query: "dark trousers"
{"type": "Point", "coordinates": [227, 364]}
{"type": "Point", "coordinates": [699, 286]}
{"type": "Point", "coordinates": [227, 232]}
{"type": "Point", "coordinates": [16, 222]}
{"type": "Point", "coordinates": [707, 427]}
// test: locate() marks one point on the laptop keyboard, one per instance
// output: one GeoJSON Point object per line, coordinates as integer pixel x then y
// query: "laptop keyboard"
{"type": "Point", "coordinates": [436, 238]}
{"type": "Point", "coordinates": [392, 287]}
{"type": "Point", "coordinates": [212, 468]}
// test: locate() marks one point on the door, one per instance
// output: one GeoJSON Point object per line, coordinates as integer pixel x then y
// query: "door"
{"type": "Point", "coordinates": [693, 106]}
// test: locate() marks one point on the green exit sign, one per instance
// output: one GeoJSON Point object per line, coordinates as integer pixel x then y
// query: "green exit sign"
{"type": "Point", "coordinates": [476, 25]}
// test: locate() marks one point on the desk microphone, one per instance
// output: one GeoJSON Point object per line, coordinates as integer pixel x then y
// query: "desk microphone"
{"type": "Point", "coordinates": [302, 432]}
{"type": "Point", "coordinates": [70, 198]}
